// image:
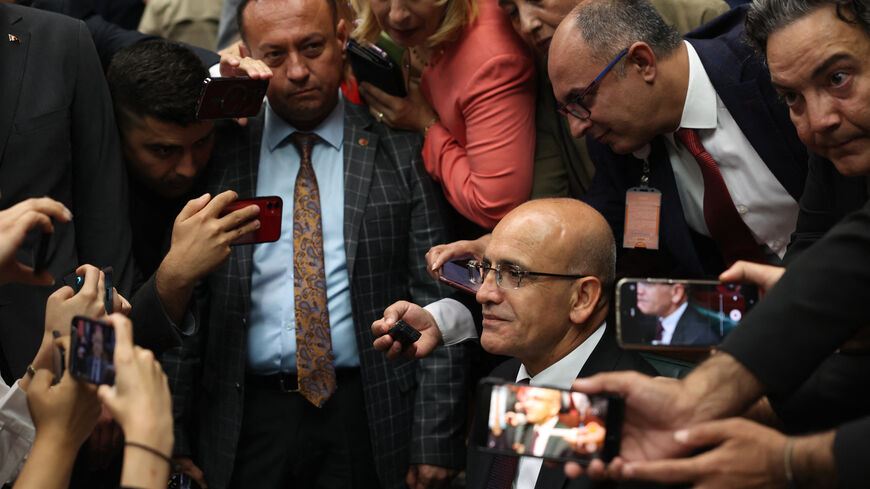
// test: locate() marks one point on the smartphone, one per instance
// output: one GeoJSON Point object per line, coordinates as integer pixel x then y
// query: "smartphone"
{"type": "Point", "coordinates": [404, 333]}
{"type": "Point", "coordinates": [230, 98]}
{"type": "Point", "coordinates": [547, 422]}
{"type": "Point", "coordinates": [654, 314]}
{"type": "Point", "coordinates": [455, 273]}
{"type": "Point", "coordinates": [77, 281]}
{"type": "Point", "coordinates": [41, 253]}
{"type": "Point", "coordinates": [373, 65]}
{"type": "Point", "coordinates": [271, 208]}
{"type": "Point", "coordinates": [91, 351]}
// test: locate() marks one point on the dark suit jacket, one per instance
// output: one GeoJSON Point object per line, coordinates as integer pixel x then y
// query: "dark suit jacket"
{"type": "Point", "coordinates": [392, 216]}
{"type": "Point", "coordinates": [108, 36]}
{"type": "Point", "coordinates": [694, 329]}
{"type": "Point", "coordinates": [606, 357]}
{"type": "Point", "coordinates": [743, 84]}
{"type": "Point", "coordinates": [57, 138]}
{"type": "Point", "coordinates": [828, 197]}
{"type": "Point", "coordinates": [816, 306]}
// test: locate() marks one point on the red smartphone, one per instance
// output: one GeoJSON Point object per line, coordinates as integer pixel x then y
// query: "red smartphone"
{"type": "Point", "coordinates": [230, 98]}
{"type": "Point", "coordinates": [271, 208]}
{"type": "Point", "coordinates": [455, 274]}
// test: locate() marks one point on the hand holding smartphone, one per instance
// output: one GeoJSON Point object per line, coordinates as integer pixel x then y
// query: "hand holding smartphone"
{"type": "Point", "coordinates": [545, 422]}
{"type": "Point", "coordinates": [271, 211]}
{"type": "Point", "coordinates": [371, 64]}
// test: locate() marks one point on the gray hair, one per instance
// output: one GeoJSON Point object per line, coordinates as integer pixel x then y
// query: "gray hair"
{"type": "Point", "coordinates": [768, 16]}
{"type": "Point", "coordinates": [609, 26]}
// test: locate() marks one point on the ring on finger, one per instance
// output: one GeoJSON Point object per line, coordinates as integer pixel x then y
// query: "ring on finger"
{"type": "Point", "coordinates": [380, 116]}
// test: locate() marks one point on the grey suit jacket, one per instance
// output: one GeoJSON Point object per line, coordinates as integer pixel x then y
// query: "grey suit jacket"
{"type": "Point", "coordinates": [57, 138]}
{"type": "Point", "coordinates": [392, 215]}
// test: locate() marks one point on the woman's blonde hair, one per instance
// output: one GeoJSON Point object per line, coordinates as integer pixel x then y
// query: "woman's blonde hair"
{"type": "Point", "coordinates": [457, 15]}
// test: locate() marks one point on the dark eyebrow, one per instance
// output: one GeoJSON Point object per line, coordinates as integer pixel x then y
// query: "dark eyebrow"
{"type": "Point", "coordinates": [830, 61]}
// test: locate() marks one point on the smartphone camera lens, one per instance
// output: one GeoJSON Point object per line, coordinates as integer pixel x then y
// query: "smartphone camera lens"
{"type": "Point", "coordinates": [269, 205]}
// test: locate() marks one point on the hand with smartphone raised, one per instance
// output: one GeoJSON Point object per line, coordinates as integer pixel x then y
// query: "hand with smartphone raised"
{"type": "Point", "coordinates": [15, 222]}
{"type": "Point", "coordinates": [141, 404]}
{"type": "Point", "coordinates": [438, 255]}
{"type": "Point", "coordinates": [201, 239]}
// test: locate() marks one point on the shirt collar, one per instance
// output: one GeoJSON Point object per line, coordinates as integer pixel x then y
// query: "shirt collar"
{"type": "Point", "coordinates": [331, 129]}
{"type": "Point", "coordinates": [699, 110]}
{"type": "Point", "coordinates": [670, 321]}
{"type": "Point", "coordinates": [563, 373]}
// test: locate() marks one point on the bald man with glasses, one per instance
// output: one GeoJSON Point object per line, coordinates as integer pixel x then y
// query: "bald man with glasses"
{"type": "Point", "coordinates": [544, 285]}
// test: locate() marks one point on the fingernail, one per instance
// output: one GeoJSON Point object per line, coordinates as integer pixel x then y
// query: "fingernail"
{"type": "Point", "coordinates": [681, 436]}
{"type": "Point", "coordinates": [203, 196]}
{"type": "Point", "coordinates": [628, 470]}
{"type": "Point", "coordinates": [67, 213]}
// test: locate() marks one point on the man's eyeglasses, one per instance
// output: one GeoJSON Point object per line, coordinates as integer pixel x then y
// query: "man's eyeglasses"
{"type": "Point", "coordinates": [575, 107]}
{"type": "Point", "coordinates": [506, 276]}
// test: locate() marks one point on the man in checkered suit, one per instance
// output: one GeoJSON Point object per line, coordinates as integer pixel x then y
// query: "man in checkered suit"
{"type": "Point", "coordinates": [237, 417]}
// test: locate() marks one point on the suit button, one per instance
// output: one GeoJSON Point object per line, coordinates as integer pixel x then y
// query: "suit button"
{"type": "Point", "coordinates": [238, 386]}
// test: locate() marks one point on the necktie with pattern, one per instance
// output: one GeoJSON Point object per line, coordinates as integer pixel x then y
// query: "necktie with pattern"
{"type": "Point", "coordinates": [314, 367]}
{"type": "Point", "coordinates": [660, 329]}
{"type": "Point", "coordinates": [732, 236]}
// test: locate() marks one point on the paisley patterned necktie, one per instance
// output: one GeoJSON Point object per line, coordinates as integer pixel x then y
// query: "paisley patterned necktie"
{"type": "Point", "coordinates": [314, 367]}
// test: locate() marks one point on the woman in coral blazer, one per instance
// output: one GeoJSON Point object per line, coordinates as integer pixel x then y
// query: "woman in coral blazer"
{"type": "Point", "coordinates": [471, 93]}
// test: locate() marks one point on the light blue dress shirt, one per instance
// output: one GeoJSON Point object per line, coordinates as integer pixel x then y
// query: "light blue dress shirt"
{"type": "Point", "coordinates": [272, 322]}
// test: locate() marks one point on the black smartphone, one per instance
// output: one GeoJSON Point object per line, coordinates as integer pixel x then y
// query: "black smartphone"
{"type": "Point", "coordinates": [662, 314]}
{"type": "Point", "coordinates": [546, 422]}
{"type": "Point", "coordinates": [91, 351]}
{"type": "Point", "coordinates": [456, 274]}
{"type": "Point", "coordinates": [271, 209]}
{"type": "Point", "coordinates": [41, 253]}
{"type": "Point", "coordinates": [77, 281]}
{"type": "Point", "coordinates": [230, 98]}
{"type": "Point", "coordinates": [404, 333]}
{"type": "Point", "coordinates": [373, 65]}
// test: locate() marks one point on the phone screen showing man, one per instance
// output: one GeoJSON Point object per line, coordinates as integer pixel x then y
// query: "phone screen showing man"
{"type": "Point", "coordinates": [92, 348]}
{"type": "Point", "coordinates": [550, 423]}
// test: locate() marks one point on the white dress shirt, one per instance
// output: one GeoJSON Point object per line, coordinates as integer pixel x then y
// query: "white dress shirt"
{"type": "Point", "coordinates": [766, 207]}
{"type": "Point", "coordinates": [16, 431]}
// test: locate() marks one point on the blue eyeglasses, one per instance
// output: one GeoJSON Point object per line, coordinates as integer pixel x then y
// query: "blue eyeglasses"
{"type": "Point", "coordinates": [575, 107]}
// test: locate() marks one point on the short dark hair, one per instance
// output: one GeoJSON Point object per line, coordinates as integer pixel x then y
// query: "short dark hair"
{"type": "Point", "coordinates": [156, 78]}
{"type": "Point", "coordinates": [609, 26]}
{"type": "Point", "coordinates": [768, 16]}
{"type": "Point", "coordinates": [240, 9]}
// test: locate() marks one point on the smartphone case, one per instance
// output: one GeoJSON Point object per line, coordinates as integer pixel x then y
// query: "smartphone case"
{"type": "Point", "coordinates": [372, 64]}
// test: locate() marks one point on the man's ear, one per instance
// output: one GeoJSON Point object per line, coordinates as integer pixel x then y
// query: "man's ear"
{"type": "Point", "coordinates": [341, 35]}
{"type": "Point", "coordinates": [244, 51]}
{"type": "Point", "coordinates": [642, 59]}
{"type": "Point", "coordinates": [585, 299]}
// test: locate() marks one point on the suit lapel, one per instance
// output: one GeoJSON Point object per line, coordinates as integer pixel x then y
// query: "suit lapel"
{"type": "Point", "coordinates": [240, 175]}
{"type": "Point", "coordinates": [14, 55]}
{"type": "Point", "coordinates": [360, 148]}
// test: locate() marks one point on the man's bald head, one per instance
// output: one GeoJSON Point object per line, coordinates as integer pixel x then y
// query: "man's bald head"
{"type": "Point", "coordinates": [571, 233]}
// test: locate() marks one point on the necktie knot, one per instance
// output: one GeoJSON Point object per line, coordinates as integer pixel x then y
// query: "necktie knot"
{"type": "Point", "coordinates": [304, 142]}
{"type": "Point", "coordinates": [691, 140]}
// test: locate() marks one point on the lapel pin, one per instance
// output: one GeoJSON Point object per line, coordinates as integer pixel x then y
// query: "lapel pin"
{"type": "Point", "coordinates": [14, 38]}
{"type": "Point", "coordinates": [363, 142]}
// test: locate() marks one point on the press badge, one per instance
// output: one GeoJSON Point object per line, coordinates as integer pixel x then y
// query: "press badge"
{"type": "Point", "coordinates": [642, 210]}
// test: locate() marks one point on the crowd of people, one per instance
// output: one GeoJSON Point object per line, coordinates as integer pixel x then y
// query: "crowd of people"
{"type": "Point", "coordinates": [554, 146]}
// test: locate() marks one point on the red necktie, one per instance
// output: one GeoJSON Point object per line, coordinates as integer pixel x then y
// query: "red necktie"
{"type": "Point", "coordinates": [660, 329]}
{"type": "Point", "coordinates": [727, 229]}
{"type": "Point", "coordinates": [314, 368]}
